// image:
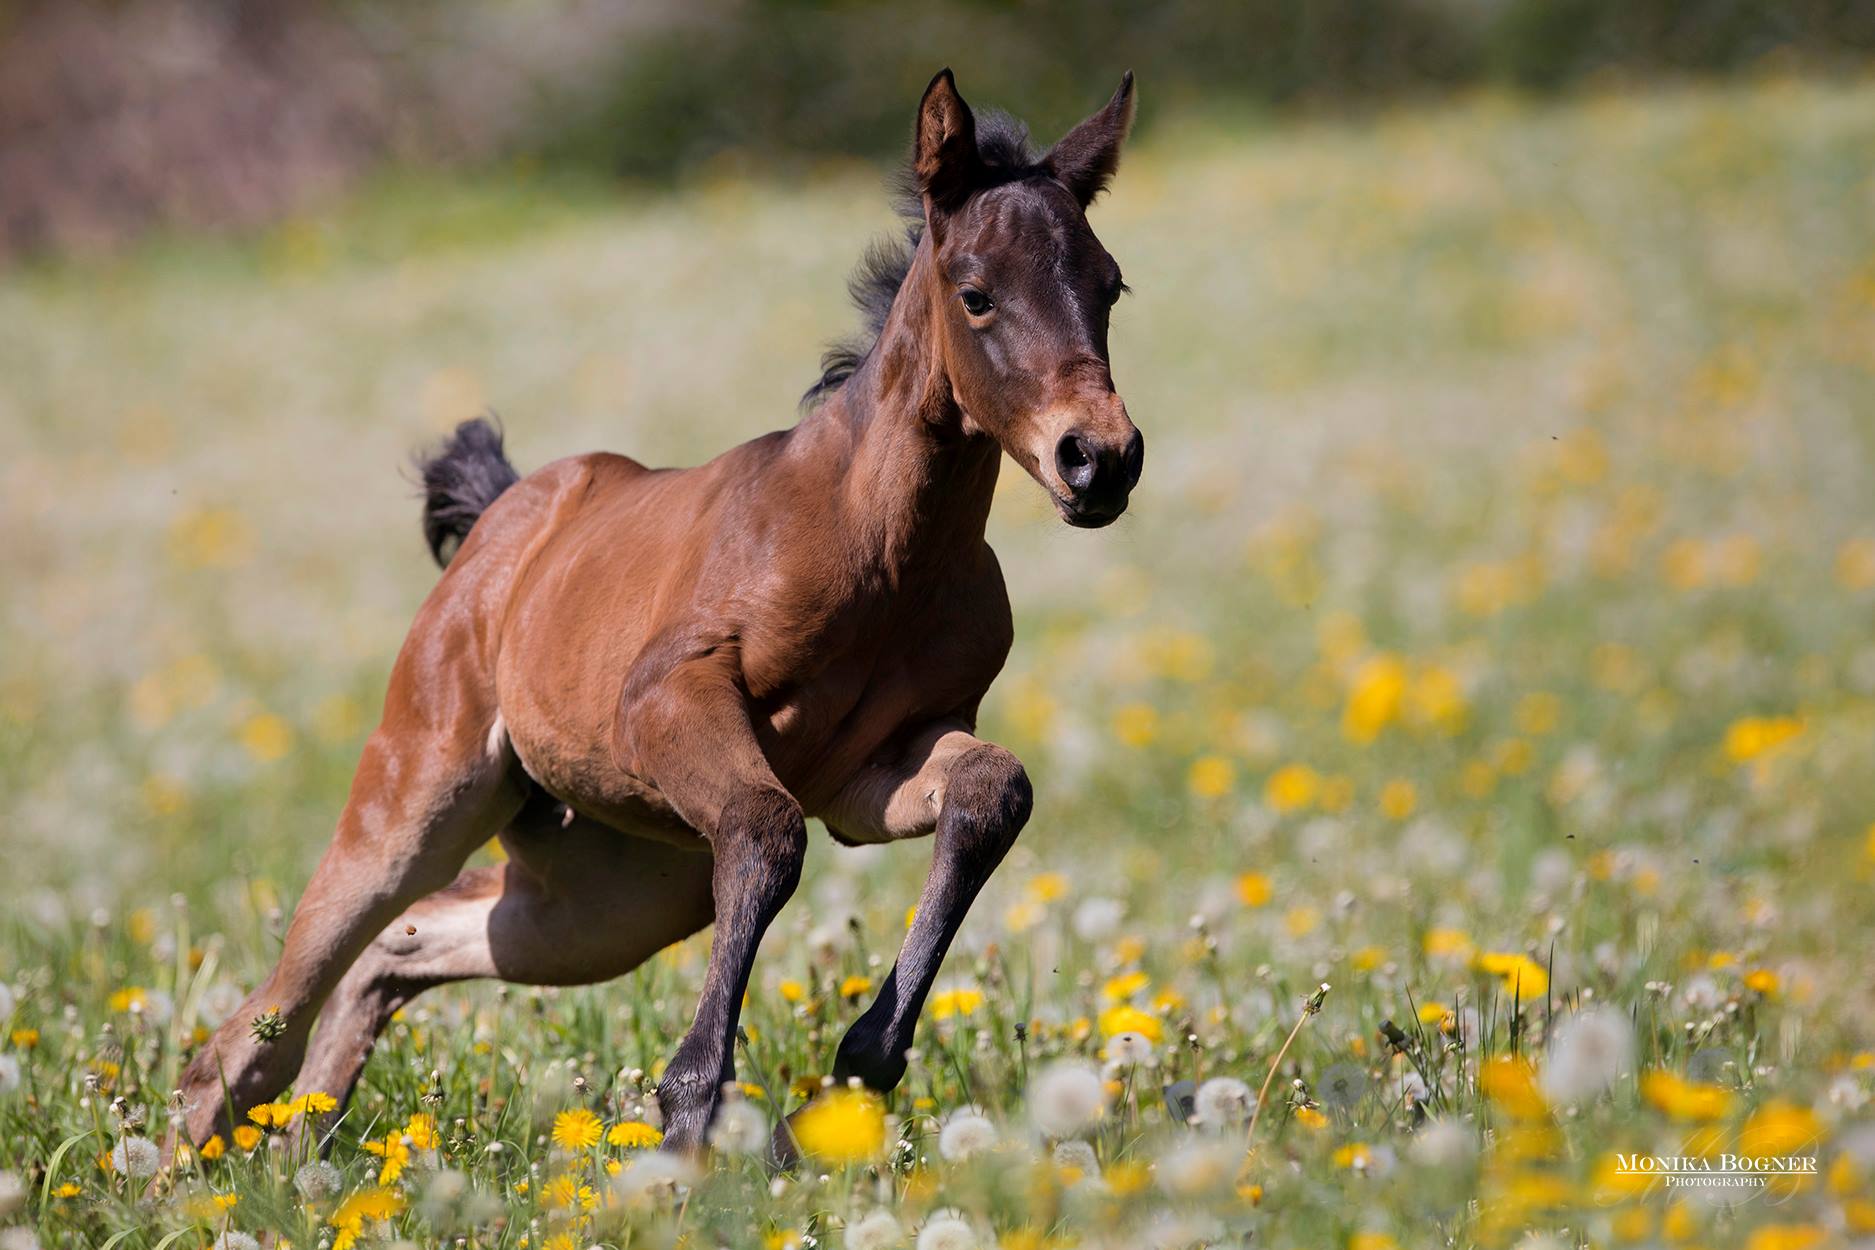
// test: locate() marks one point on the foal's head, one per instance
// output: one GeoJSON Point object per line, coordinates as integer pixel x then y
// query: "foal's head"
{"type": "Point", "coordinates": [1020, 291]}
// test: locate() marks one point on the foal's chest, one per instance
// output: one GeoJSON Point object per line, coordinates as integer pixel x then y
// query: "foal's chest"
{"type": "Point", "coordinates": [823, 708]}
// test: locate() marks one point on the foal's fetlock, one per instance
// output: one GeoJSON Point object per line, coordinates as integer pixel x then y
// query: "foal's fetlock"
{"type": "Point", "coordinates": [688, 1102]}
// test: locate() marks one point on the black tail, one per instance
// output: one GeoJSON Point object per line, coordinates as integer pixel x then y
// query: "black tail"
{"type": "Point", "coordinates": [460, 479]}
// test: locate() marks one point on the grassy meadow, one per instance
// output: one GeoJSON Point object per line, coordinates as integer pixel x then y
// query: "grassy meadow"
{"type": "Point", "coordinates": [1487, 662]}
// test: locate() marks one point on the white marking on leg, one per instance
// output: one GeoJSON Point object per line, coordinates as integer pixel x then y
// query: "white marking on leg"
{"type": "Point", "coordinates": [498, 737]}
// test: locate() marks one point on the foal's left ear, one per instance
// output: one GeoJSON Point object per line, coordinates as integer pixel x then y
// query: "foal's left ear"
{"type": "Point", "coordinates": [1088, 155]}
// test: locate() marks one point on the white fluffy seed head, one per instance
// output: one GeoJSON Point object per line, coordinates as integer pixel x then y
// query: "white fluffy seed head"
{"type": "Point", "coordinates": [1077, 1155]}
{"type": "Point", "coordinates": [1066, 1098]}
{"type": "Point", "coordinates": [1591, 1050]}
{"type": "Point", "coordinates": [947, 1230]}
{"type": "Point", "coordinates": [134, 1156]}
{"type": "Point", "coordinates": [1098, 919]}
{"type": "Point", "coordinates": [317, 1180]}
{"type": "Point", "coordinates": [232, 1240]}
{"type": "Point", "coordinates": [876, 1230]}
{"type": "Point", "coordinates": [1198, 1165]}
{"type": "Point", "coordinates": [12, 1194]}
{"type": "Point", "coordinates": [9, 1075]}
{"type": "Point", "coordinates": [1129, 1049]}
{"type": "Point", "coordinates": [1443, 1144]}
{"type": "Point", "coordinates": [965, 1133]}
{"type": "Point", "coordinates": [740, 1128]}
{"type": "Point", "coordinates": [654, 1176]}
{"type": "Point", "coordinates": [1223, 1102]}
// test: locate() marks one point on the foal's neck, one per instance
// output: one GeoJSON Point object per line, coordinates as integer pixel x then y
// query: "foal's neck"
{"type": "Point", "coordinates": [917, 483]}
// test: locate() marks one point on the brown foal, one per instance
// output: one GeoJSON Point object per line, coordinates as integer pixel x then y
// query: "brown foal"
{"type": "Point", "coordinates": [644, 681]}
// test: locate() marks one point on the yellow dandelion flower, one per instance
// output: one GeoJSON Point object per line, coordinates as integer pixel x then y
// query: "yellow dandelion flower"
{"type": "Point", "coordinates": [1683, 1099]}
{"type": "Point", "coordinates": [213, 1148]}
{"type": "Point", "coordinates": [130, 998]}
{"type": "Point", "coordinates": [1136, 724]}
{"type": "Point", "coordinates": [25, 1039]}
{"type": "Point", "coordinates": [1754, 737]}
{"type": "Point", "coordinates": [246, 1137]}
{"type": "Point", "coordinates": [267, 737]}
{"type": "Point", "coordinates": [1211, 776]}
{"type": "Point", "coordinates": [1375, 697]}
{"type": "Point", "coordinates": [1372, 1241]}
{"type": "Point", "coordinates": [1786, 1237]}
{"type": "Point", "coordinates": [1310, 1118]}
{"type": "Point", "coordinates": [1855, 564]}
{"type": "Point", "coordinates": [1302, 920]}
{"type": "Point", "coordinates": [393, 1151]}
{"type": "Point", "coordinates": [633, 1135]}
{"type": "Point", "coordinates": [1763, 981]}
{"type": "Point", "coordinates": [1024, 915]}
{"type": "Point", "coordinates": [1125, 1019]}
{"type": "Point", "coordinates": [1292, 787]}
{"type": "Point", "coordinates": [854, 986]}
{"type": "Point", "coordinates": [791, 991]}
{"type": "Point", "coordinates": [1538, 713]}
{"type": "Point", "coordinates": [962, 1000]}
{"type": "Point", "coordinates": [842, 1126]}
{"type": "Point", "coordinates": [1399, 798]}
{"type": "Point", "coordinates": [420, 1129]}
{"type": "Point", "coordinates": [1511, 1084]}
{"type": "Point", "coordinates": [1047, 887]}
{"type": "Point", "coordinates": [1518, 974]}
{"type": "Point", "coordinates": [1120, 988]}
{"type": "Point", "coordinates": [576, 1129]}
{"type": "Point", "coordinates": [1432, 1013]}
{"type": "Point", "coordinates": [1780, 1128]}
{"type": "Point", "coordinates": [1254, 889]}
{"type": "Point", "coordinates": [1447, 943]}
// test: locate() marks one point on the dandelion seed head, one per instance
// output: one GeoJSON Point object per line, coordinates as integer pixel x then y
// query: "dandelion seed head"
{"type": "Point", "coordinates": [232, 1240]}
{"type": "Point", "coordinates": [876, 1230]}
{"type": "Point", "coordinates": [1223, 1102]}
{"type": "Point", "coordinates": [966, 1132]}
{"type": "Point", "coordinates": [1591, 1050]}
{"type": "Point", "coordinates": [654, 1177]}
{"type": "Point", "coordinates": [1129, 1049]}
{"type": "Point", "coordinates": [134, 1156]}
{"type": "Point", "coordinates": [1066, 1098]}
{"type": "Point", "coordinates": [317, 1180]}
{"type": "Point", "coordinates": [947, 1230]}
{"type": "Point", "coordinates": [740, 1128]}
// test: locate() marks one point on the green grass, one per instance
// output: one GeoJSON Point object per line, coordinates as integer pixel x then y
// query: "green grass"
{"type": "Point", "coordinates": [1501, 583]}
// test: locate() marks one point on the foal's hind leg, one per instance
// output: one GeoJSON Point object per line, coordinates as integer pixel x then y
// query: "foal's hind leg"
{"type": "Point", "coordinates": [428, 791]}
{"type": "Point", "coordinates": [575, 904]}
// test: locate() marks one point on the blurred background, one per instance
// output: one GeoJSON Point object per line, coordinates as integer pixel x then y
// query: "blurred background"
{"type": "Point", "coordinates": [1506, 368]}
{"type": "Point", "coordinates": [120, 117]}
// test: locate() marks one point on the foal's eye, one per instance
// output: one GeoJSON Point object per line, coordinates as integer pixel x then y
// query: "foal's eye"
{"type": "Point", "coordinates": [976, 303]}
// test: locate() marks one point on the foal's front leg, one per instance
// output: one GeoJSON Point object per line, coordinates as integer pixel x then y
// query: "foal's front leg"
{"type": "Point", "coordinates": [689, 733]}
{"type": "Point", "coordinates": [982, 799]}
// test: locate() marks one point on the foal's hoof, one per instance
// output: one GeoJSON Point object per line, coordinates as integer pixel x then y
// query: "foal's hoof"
{"type": "Point", "coordinates": [784, 1148]}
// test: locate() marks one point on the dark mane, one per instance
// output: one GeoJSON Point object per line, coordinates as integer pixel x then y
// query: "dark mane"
{"type": "Point", "coordinates": [1003, 144]}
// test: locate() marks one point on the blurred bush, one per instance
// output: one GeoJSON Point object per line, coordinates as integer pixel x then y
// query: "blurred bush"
{"type": "Point", "coordinates": [117, 115]}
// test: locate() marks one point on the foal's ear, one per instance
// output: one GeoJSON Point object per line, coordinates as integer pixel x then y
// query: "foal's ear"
{"type": "Point", "coordinates": [944, 149]}
{"type": "Point", "coordinates": [1087, 156]}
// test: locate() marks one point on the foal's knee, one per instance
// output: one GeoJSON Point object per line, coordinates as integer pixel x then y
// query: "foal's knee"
{"type": "Point", "coordinates": [763, 836]}
{"type": "Point", "coordinates": [987, 801]}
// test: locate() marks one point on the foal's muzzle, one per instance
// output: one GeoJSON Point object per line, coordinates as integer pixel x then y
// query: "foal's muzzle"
{"type": "Point", "coordinates": [1098, 474]}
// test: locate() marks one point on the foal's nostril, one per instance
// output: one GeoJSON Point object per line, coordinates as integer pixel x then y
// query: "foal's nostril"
{"type": "Point", "coordinates": [1133, 459]}
{"type": "Point", "coordinates": [1074, 459]}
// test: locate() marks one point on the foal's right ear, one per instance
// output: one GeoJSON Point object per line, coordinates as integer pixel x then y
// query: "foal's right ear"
{"type": "Point", "coordinates": [944, 149]}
